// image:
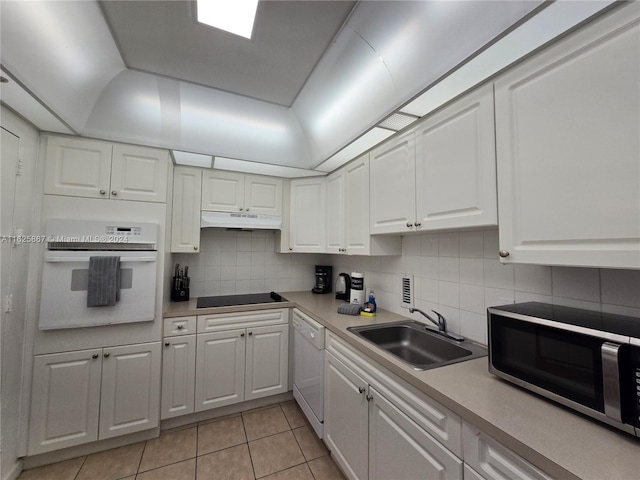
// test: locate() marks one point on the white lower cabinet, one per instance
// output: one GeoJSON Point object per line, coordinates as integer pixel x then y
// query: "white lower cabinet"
{"type": "Point", "coordinates": [88, 395]}
{"type": "Point", "coordinates": [178, 376]}
{"type": "Point", "coordinates": [491, 460]}
{"type": "Point", "coordinates": [373, 435]}
{"type": "Point", "coordinates": [234, 357]}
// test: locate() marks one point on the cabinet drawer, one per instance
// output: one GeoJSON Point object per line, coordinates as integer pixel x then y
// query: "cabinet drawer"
{"type": "Point", "coordinates": [493, 460]}
{"type": "Point", "coordinates": [255, 318]}
{"type": "Point", "coordinates": [437, 420]}
{"type": "Point", "coordinates": [179, 326]}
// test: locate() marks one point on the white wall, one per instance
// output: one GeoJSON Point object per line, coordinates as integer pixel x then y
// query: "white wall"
{"type": "Point", "coordinates": [460, 275]}
{"type": "Point", "coordinates": [13, 323]}
{"type": "Point", "coordinates": [237, 262]}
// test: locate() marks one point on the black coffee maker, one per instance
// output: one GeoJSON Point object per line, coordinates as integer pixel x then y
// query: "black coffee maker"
{"type": "Point", "coordinates": [323, 279]}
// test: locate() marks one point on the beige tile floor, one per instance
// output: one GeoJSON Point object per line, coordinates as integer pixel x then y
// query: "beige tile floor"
{"type": "Point", "coordinates": [271, 443]}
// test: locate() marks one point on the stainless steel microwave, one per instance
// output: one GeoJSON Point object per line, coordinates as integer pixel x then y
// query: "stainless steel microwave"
{"type": "Point", "coordinates": [588, 361]}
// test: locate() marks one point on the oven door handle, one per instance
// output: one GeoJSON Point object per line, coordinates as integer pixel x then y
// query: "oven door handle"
{"type": "Point", "coordinates": [611, 380]}
{"type": "Point", "coordinates": [86, 259]}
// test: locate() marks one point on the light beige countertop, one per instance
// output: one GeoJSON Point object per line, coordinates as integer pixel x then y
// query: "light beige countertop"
{"type": "Point", "coordinates": [562, 443]}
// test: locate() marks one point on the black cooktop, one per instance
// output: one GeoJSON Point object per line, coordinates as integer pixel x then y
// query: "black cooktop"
{"type": "Point", "coordinates": [233, 300]}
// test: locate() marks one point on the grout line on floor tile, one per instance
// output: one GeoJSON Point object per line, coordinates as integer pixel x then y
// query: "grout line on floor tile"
{"type": "Point", "coordinates": [83, 462]}
{"type": "Point", "coordinates": [142, 456]}
{"type": "Point", "coordinates": [247, 444]}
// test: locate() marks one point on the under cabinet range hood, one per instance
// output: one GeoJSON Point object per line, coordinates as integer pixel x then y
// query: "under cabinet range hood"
{"type": "Point", "coordinates": [243, 221]}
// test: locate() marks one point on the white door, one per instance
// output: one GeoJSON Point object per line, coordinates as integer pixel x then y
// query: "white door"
{"type": "Point", "coordinates": [220, 362]}
{"type": "Point", "coordinates": [307, 223]}
{"type": "Point", "coordinates": [185, 218]}
{"type": "Point", "coordinates": [267, 361]}
{"type": "Point", "coordinates": [77, 167]}
{"type": "Point", "coordinates": [139, 173]}
{"type": "Point", "coordinates": [356, 215]}
{"type": "Point", "coordinates": [346, 425]}
{"type": "Point", "coordinates": [65, 400]}
{"type": "Point", "coordinates": [336, 212]}
{"type": "Point", "coordinates": [178, 376]}
{"type": "Point", "coordinates": [400, 449]}
{"type": "Point", "coordinates": [568, 150]}
{"type": "Point", "coordinates": [130, 398]}
{"type": "Point", "coordinates": [456, 165]}
{"type": "Point", "coordinates": [263, 195]}
{"type": "Point", "coordinates": [222, 191]}
{"type": "Point", "coordinates": [393, 186]}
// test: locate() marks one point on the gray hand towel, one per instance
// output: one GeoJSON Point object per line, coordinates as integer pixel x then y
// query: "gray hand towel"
{"type": "Point", "coordinates": [103, 287]}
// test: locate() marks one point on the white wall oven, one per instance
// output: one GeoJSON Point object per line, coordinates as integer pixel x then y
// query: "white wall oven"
{"type": "Point", "coordinates": [98, 273]}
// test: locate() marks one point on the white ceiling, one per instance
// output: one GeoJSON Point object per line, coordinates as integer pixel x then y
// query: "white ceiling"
{"type": "Point", "coordinates": [289, 37]}
{"type": "Point", "coordinates": [310, 87]}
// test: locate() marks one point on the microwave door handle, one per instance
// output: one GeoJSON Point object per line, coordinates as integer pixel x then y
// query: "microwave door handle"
{"type": "Point", "coordinates": [86, 259]}
{"type": "Point", "coordinates": [611, 380]}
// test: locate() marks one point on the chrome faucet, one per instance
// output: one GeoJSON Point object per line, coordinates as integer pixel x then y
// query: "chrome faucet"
{"type": "Point", "coordinates": [441, 323]}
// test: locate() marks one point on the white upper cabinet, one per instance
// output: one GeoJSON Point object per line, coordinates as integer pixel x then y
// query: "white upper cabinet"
{"type": "Point", "coordinates": [224, 191]}
{"type": "Point", "coordinates": [89, 168]}
{"type": "Point", "coordinates": [348, 213]}
{"type": "Point", "coordinates": [185, 218]}
{"type": "Point", "coordinates": [568, 149]}
{"type": "Point", "coordinates": [456, 165]}
{"type": "Point", "coordinates": [441, 174]}
{"type": "Point", "coordinates": [307, 222]}
{"type": "Point", "coordinates": [393, 186]}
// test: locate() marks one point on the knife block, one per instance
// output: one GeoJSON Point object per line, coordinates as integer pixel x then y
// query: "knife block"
{"type": "Point", "coordinates": [179, 294]}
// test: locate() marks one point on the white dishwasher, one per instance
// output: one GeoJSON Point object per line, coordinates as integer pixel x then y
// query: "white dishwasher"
{"type": "Point", "coordinates": [308, 368]}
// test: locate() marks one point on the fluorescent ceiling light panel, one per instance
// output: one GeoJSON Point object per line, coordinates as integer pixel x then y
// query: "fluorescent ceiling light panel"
{"type": "Point", "coordinates": [234, 16]}
{"type": "Point", "coordinates": [222, 163]}
{"type": "Point", "coordinates": [355, 148]}
{"type": "Point", "coordinates": [192, 159]}
{"type": "Point", "coordinates": [554, 20]}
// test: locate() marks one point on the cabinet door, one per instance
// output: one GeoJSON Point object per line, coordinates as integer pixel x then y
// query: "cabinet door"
{"type": "Point", "coordinates": [178, 376]}
{"type": "Point", "coordinates": [139, 173]}
{"type": "Point", "coordinates": [263, 195]}
{"type": "Point", "coordinates": [65, 401]}
{"type": "Point", "coordinates": [400, 449]}
{"type": "Point", "coordinates": [307, 227]}
{"type": "Point", "coordinates": [494, 461]}
{"type": "Point", "coordinates": [267, 361]}
{"type": "Point", "coordinates": [456, 165]}
{"type": "Point", "coordinates": [77, 167]}
{"type": "Point", "coordinates": [568, 149]}
{"type": "Point", "coordinates": [393, 186]}
{"type": "Point", "coordinates": [346, 426]}
{"type": "Point", "coordinates": [336, 211]}
{"type": "Point", "coordinates": [220, 362]}
{"type": "Point", "coordinates": [356, 214]}
{"type": "Point", "coordinates": [130, 398]}
{"type": "Point", "coordinates": [185, 218]}
{"type": "Point", "coordinates": [222, 191]}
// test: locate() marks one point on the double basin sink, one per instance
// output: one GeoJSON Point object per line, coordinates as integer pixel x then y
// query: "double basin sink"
{"type": "Point", "coordinates": [421, 348]}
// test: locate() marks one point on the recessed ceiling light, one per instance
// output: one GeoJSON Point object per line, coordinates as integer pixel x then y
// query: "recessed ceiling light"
{"type": "Point", "coordinates": [234, 16]}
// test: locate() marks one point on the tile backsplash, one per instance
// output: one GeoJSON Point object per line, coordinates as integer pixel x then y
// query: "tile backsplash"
{"type": "Point", "coordinates": [457, 274]}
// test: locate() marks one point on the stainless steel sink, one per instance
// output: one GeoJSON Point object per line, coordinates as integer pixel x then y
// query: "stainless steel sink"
{"type": "Point", "coordinates": [414, 344]}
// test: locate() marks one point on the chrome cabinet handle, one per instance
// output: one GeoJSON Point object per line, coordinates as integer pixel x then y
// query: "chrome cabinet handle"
{"type": "Point", "coordinates": [242, 334]}
{"type": "Point", "coordinates": [369, 398]}
{"type": "Point", "coordinates": [418, 224]}
{"type": "Point", "coordinates": [409, 224]}
{"type": "Point", "coordinates": [180, 327]}
{"type": "Point", "coordinates": [241, 209]}
{"type": "Point", "coordinates": [103, 192]}
{"type": "Point", "coordinates": [247, 209]}
{"type": "Point", "coordinates": [114, 192]}
{"type": "Point", "coordinates": [503, 253]}
{"type": "Point", "coordinates": [361, 389]}
{"type": "Point", "coordinates": [166, 344]}
{"type": "Point", "coordinates": [106, 355]}
{"type": "Point", "coordinates": [195, 247]}
{"type": "Point", "coordinates": [94, 356]}
{"type": "Point", "coordinates": [250, 333]}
